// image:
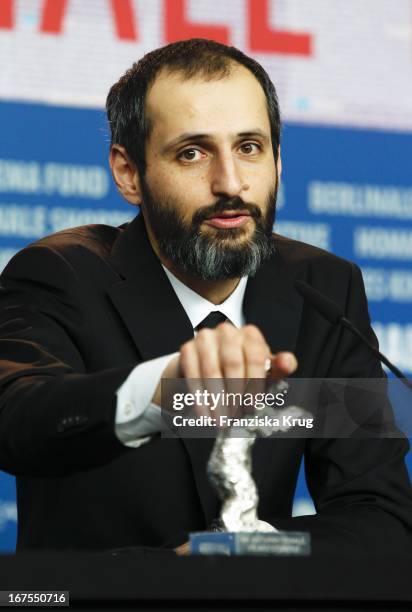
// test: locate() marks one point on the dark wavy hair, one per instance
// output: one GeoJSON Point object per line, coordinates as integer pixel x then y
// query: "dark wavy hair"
{"type": "Point", "coordinates": [125, 104]}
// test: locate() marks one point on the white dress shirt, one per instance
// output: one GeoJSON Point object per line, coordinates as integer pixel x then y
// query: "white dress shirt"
{"type": "Point", "coordinates": [137, 418]}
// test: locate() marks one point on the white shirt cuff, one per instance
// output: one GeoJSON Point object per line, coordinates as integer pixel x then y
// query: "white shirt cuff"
{"type": "Point", "coordinates": [137, 418]}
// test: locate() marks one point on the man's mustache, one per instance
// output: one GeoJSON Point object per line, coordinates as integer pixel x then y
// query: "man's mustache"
{"type": "Point", "coordinates": [226, 205]}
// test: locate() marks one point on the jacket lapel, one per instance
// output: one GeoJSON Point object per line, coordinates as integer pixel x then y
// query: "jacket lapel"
{"type": "Point", "coordinates": [272, 303]}
{"type": "Point", "coordinates": [144, 298]}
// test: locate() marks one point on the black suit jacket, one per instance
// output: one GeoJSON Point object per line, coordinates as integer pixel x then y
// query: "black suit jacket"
{"type": "Point", "coordinates": [79, 310]}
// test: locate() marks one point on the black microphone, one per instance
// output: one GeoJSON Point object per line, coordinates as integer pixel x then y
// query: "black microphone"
{"type": "Point", "coordinates": [332, 312]}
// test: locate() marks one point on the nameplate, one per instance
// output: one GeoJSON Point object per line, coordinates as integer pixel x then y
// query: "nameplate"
{"type": "Point", "coordinates": [281, 543]}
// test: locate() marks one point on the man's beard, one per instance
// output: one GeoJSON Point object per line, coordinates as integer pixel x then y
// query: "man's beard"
{"type": "Point", "coordinates": [220, 256]}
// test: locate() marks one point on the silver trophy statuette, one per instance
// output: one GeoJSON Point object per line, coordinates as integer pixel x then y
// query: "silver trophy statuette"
{"type": "Point", "coordinates": [230, 472]}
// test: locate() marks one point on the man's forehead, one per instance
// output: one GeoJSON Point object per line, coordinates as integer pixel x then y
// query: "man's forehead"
{"type": "Point", "coordinates": [197, 103]}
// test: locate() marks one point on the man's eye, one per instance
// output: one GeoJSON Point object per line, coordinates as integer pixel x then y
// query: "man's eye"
{"type": "Point", "coordinates": [190, 155]}
{"type": "Point", "coordinates": [250, 148]}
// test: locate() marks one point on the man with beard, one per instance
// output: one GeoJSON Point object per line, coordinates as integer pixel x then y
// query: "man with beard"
{"type": "Point", "coordinates": [95, 317]}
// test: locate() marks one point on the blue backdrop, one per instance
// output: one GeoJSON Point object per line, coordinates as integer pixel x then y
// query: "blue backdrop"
{"type": "Point", "coordinates": [349, 191]}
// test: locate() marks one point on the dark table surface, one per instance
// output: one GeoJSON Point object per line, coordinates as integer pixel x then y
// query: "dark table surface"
{"type": "Point", "coordinates": [156, 579]}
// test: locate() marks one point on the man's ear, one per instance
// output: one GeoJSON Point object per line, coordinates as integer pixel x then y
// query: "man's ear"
{"type": "Point", "coordinates": [125, 174]}
{"type": "Point", "coordinates": [279, 164]}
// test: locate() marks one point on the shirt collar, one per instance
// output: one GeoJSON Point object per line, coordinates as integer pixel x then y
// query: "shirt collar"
{"type": "Point", "coordinates": [197, 307]}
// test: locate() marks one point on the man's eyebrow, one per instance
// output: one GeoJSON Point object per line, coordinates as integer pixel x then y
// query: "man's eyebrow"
{"type": "Point", "coordinates": [193, 136]}
{"type": "Point", "coordinates": [187, 137]}
{"type": "Point", "coordinates": [253, 133]}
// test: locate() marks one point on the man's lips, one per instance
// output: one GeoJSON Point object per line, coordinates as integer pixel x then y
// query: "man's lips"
{"type": "Point", "coordinates": [229, 219]}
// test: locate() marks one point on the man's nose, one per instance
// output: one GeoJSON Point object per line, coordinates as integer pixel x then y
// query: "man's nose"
{"type": "Point", "coordinates": [226, 178]}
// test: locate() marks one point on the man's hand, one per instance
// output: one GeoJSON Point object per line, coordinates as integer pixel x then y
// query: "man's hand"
{"type": "Point", "coordinates": [183, 549]}
{"type": "Point", "coordinates": [227, 352]}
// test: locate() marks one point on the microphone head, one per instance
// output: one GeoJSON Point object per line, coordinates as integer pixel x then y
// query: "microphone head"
{"type": "Point", "coordinates": [320, 302]}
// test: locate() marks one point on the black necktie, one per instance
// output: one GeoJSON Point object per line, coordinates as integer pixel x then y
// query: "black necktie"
{"type": "Point", "coordinates": [212, 320]}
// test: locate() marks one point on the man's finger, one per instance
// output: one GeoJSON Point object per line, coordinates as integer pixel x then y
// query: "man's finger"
{"type": "Point", "coordinates": [256, 352]}
{"type": "Point", "coordinates": [208, 354]}
{"type": "Point", "coordinates": [282, 364]}
{"type": "Point", "coordinates": [190, 370]}
{"type": "Point", "coordinates": [233, 367]}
